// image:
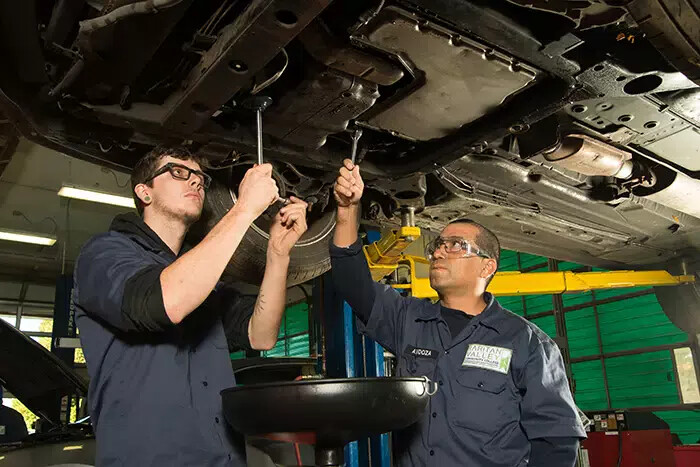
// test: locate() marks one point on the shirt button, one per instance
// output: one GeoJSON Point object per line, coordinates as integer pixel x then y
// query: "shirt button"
{"type": "Point", "coordinates": [205, 384]}
{"type": "Point", "coordinates": [481, 385]}
{"type": "Point", "coordinates": [432, 453]}
{"type": "Point", "coordinates": [216, 419]}
{"type": "Point", "coordinates": [441, 383]}
{"type": "Point", "coordinates": [446, 352]}
{"type": "Point", "coordinates": [434, 414]}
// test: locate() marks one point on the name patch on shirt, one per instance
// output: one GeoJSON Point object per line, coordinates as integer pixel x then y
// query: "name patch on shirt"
{"type": "Point", "coordinates": [422, 353]}
{"type": "Point", "coordinates": [488, 357]}
{"type": "Point", "coordinates": [2, 430]}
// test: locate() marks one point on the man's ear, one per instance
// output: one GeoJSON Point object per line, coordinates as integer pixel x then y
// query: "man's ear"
{"type": "Point", "coordinates": [489, 268]}
{"type": "Point", "coordinates": [143, 193]}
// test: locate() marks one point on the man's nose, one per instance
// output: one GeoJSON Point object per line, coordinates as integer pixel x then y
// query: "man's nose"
{"type": "Point", "coordinates": [440, 252]}
{"type": "Point", "coordinates": [195, 182]}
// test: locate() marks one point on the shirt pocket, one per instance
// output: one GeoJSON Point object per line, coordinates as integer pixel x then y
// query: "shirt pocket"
{"type": "Point", "coordinates": [219, 341]}
{"type": "Point", "coordinates": [217, 337]}
{"type": "Point", "coordinates": [411, 366]}
{"type": "Point", "coordinates": [482, 401]}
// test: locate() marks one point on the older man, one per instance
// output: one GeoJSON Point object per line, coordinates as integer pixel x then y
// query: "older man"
{"type": "Point", "coordinates": [503, 398]}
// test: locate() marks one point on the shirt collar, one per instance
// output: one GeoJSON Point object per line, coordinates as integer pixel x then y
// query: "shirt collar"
{"type": "Point", "coordinates": [133, 225]}
{"type": "Point", "coordinates": [490, 317]}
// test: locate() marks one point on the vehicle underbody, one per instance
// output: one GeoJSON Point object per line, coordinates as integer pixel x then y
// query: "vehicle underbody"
{"type": "Point", "coordinates": [556, 124]}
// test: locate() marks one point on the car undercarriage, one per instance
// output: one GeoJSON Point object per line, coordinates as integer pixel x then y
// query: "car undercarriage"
{"type": "Point", "coordinates": [563, 126]}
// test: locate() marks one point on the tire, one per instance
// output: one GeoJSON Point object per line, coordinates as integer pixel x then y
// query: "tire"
{"type": "Point", "coordinates": [673, 27]}
{"type": "Point", "coordinates": [8, 142]}
{"type": "Point", "coordinates": [309, 258]}
{"type": "Point", "coordinates": [682, 305]}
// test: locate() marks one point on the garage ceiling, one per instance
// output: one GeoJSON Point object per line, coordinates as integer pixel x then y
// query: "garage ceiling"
{"type": "Point", "coordinates": [29, 202]}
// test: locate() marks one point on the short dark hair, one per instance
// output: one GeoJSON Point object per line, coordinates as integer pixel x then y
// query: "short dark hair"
{"type": "Point", "coordinates": [486, 241]}
{"type": "Point", "coordinates": [149, 163]}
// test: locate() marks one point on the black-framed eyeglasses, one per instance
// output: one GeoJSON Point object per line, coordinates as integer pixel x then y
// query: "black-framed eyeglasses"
{"type": "Point", "coordinates": [181, 172]}
{"type": "Point", "coordinates": [454, 247]}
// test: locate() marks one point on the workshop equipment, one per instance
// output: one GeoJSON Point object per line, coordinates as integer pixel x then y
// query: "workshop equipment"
{"type": "Point", "coordinates": [628, 439]}
{"type": "Point", "coordinates": [687, 456]}
{"type": "Point", "coordinates": [327, 413]}
{"type": "Point", "coordinates": [355, 139]}
{"type": "Point", "coordinates": [386, 255]}
{"type": "Point", "coordinates": [509, 283]}
{"type": "Point", "coordinates": [258, 104]}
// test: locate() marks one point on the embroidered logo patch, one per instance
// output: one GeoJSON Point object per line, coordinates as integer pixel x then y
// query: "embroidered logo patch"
{"type": "Point", "coordinates": [488, 357]}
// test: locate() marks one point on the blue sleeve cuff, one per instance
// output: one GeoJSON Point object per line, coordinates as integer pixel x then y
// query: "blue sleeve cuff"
{"type": "Point", "coordinates": [553, 451]}
{"type": "Point", "coordinates": [543, 429]}
{"type": "Point", "coordinates": [340, 252]}
{"type": "Point", "coordinates": [142, 303]}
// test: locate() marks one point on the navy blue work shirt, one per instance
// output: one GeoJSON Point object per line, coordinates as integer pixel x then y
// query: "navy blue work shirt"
{"type": "Point", "coordinates": [154, 386]}
{"type": "Point", "coordinates": [501, 380]}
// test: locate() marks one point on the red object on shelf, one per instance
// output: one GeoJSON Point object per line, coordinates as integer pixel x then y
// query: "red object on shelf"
{"type": "Point", "coordinates": [687, 456]}
{"type": "Point", "coordinates": [643, 448]}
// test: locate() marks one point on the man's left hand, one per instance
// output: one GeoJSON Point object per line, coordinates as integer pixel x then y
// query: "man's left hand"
{"type": "Point", "coordinates": [288, 226]}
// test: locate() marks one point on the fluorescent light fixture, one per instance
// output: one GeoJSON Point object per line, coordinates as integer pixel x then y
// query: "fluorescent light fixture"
{"type": "Point", "coordinates": [73, 448]}
{"type": "Point", "coordinates": [68, 191]}
{"type": "Point", "coordinates": [26, 237]}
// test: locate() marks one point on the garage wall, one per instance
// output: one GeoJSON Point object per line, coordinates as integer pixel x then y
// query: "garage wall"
{"type": "Point", "coordinates": [621, 346]}
{"type": "Point", "coordinates": [34, 303]}
{"type": "Point", "coordinates": [293, 338]}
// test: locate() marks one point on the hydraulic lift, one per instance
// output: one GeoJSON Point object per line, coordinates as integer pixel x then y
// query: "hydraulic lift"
{"type": "Point", "coordinates": [386, 256]}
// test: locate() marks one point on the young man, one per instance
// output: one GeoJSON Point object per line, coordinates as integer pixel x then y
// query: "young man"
{"type": "Point", "coordinates": [503, 397]}
{"type": "Point", "coordinates": [150, 315]}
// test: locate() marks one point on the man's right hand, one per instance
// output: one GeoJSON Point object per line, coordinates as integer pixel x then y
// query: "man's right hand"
{"type": "Point", "coordinates": [257, 191]}
{"type": "Point", "coordinates": [349, 185]}
{"type": "Point", "coordinates": [348, 192]}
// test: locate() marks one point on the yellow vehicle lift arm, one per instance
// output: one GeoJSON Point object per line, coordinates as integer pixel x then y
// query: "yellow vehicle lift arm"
{"type": "Point", "coordinates": [385, 256]}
